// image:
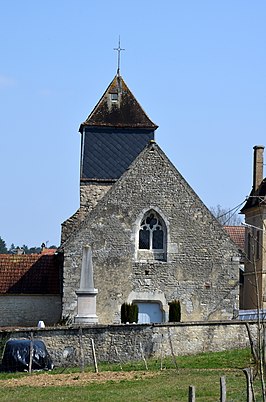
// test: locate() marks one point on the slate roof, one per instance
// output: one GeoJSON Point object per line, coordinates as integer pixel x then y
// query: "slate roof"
{"type": "Point", "coordinates": [237, 234]}
{"type": "Point", "coordinates": [30, 274]}
{"type": "Point", "coordinates": [124, 112]}
{"type": "Point", "coordinates": [256, 198]}
{"type": "Point", "coordinates": [108, 153]}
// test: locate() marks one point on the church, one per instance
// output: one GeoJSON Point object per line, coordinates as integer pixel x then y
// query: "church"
{"type": "Point", "coordinates": [153, 240]}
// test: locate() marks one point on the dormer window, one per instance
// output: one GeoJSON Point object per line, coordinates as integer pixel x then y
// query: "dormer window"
{"type": "Point", "coordinates": [114, 97]}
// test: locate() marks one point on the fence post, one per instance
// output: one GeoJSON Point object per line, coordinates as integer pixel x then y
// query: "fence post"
{"type": "Point", "coordinates": [94, 356]}
{"type": "Point", "coordinates": [119, 358]}
{"type": "Point", "coordinates": [248, 374]}
{"type": "Point", "coordinates": [171, 347]}
{"type": "Point", "coordinates": [143, 357]}
{"type": "Point", "coordinates": [191, 394]}
{"type": "Point", "coordinates": [222, 389]}
{"type": "Point", "coordinates": [161, 352]}
{"type": "Point", "coordinates": [31, 352]}
{"type": "Point", "coordinates": [82, 364]}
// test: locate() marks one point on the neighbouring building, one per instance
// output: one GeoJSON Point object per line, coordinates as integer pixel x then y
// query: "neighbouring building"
{"type": "Point", "coordinates": [152, 238]}
{"type": "Point", "coordinates": [254, 295]}
{"type": "Point", "coordinates": [237, 234]}
{"type": "Point", "coordinates": [30, 288]}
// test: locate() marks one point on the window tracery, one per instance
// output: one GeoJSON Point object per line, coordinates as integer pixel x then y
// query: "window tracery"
{"type": "Point", "coordinates": [151, 233]}
{"type": "Point", "coordinates": [152, 237]}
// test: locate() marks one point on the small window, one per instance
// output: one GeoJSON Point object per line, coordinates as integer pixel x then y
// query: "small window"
{"type": "Point", "coordinates": [151, 238]}
{"type": "Point", "coordinates": [114, 97]}
{"type": "Point", "coordinates": [151, 233]}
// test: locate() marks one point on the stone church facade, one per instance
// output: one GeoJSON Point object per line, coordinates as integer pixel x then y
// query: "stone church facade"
{"type": "Point", "coordinates": [152, 238]}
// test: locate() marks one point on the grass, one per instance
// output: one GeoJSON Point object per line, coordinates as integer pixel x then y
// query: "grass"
{"type": "Point", "coordinates": [170, 384]}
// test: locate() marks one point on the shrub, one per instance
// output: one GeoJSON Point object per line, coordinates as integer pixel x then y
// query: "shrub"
{"type": "Point", "coordinates": [129, 313]}
{"type": "Point", "coordinates": [174, 311]}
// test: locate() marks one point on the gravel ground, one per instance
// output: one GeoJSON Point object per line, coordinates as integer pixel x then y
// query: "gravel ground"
{"type": "Point", "coordinates": [78, 379]}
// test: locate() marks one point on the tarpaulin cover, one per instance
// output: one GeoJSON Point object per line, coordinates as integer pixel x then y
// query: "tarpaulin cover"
{"type": "Point", "coordinates": [17, 355]}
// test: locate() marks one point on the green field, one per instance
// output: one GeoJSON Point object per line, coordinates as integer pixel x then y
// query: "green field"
{"type": "Point", "coordinates": [164, 381]}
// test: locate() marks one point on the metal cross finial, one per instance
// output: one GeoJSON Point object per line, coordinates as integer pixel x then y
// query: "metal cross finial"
{"type": "Point", "coordinates": [118, 49]}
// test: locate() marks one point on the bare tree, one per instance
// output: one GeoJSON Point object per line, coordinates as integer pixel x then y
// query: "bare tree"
{"type": "Point", "coordinates": [226, 216]}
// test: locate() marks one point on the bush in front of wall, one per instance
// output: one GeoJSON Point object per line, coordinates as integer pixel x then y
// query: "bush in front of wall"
{"type": "Point", "coordinates": [174, 311]}
{"type": "Point", "coordinates": [129, 313]}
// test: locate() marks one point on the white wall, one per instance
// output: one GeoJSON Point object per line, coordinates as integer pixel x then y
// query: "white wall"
{"type": "Point", "coordinates": [27, 310]}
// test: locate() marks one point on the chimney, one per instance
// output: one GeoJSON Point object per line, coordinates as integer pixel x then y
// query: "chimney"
{"type": "Point", "coordinates": [257, 166]}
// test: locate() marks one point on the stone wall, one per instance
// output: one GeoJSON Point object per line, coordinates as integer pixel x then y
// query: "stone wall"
{"type": "Point", "coordinates": [200, 269]}
{"type": "Point", "coordinates": [90, 194]}
{"type": "Point", "coordinates": [124, 342]}
{"type": "Point", "coordinates": [26, 310]}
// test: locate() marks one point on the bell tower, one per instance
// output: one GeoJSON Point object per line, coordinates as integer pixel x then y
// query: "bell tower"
{"type": "Point", "coordinates": [112, 136]}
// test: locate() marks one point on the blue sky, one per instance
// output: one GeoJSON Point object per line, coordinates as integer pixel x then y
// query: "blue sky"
{"type": "Point", "coordinates": [198, 68]}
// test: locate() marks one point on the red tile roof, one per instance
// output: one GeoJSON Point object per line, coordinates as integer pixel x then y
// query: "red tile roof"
{"type": "Point", "coordinates": [49, 251]}
{"type": "Point", "coordinates": [30, 274]}
{"type": "Point", "coordinates": [237, 234]}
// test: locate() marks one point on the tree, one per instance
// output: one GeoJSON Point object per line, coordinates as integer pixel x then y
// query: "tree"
{"type": "Point", "coordinates": [26, 250]}
{"type": "Point", "coordinates": [3, 248]}
{"type": "Point", "coordinates": [34, 250]}
{"type": "Point", "coordinates": [129, 313]}
{"type": "Point", "coordinates": [174, 311]}
{"type": "Point", "coordinates": [226, 216]}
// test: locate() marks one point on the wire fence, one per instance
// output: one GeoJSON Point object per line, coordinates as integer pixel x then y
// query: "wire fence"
{"type": "Point", "coordinates": [31, 354]}
{"type": "Point", "coordinates": [86, 353]}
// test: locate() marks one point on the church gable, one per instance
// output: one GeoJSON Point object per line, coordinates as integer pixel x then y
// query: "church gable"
{"type": "Point", "coordinates": [184, 253]}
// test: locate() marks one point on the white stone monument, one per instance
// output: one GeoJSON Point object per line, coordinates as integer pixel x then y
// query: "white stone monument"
{"type": "Point", "coordinates": [86, 292]}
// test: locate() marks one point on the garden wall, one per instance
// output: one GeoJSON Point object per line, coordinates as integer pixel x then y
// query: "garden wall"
{"type": "Point", "coordinates": [115, 343]}
{"type": "Point", "coordinates": [18, 310]}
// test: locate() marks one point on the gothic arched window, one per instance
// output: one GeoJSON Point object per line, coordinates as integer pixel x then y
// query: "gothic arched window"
{"type": "Point", "coordinates": [152, 237]}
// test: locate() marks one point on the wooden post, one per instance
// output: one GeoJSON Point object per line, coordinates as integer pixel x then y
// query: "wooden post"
{"type": "Point", "coordinates": [31, 352]}
{"type": "Point", "coordinates": [171, 347]}
{"type": "Point", "coordinates": [143, 357]}
{"type": "Point", "coordinates": [248, 374]}
{"type": "Point", "coordinates": [191, 394]}
{"type": "Point", "coordinates": [82, 364]}
{"type": "Point", "coordinates": [161, 352]}
{"type": "Point", "coordinates": [222, 389]}
{"type": "Point", "coordinates": [120, 361]}
{"type": "Point", "coordinates": [94, 356]}
{"type": "Point", "coordinates": [264, 345]}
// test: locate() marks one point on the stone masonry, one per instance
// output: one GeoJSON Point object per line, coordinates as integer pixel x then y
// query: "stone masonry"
{"type": "Point", "coordinates": [199, 269]}
{"type": "Point", "coordinates": [116, 343]}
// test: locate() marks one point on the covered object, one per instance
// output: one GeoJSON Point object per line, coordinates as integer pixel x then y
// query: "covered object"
{"type": "Point", "coordinates": [16, 355]}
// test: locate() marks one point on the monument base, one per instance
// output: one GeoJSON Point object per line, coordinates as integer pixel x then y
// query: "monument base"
{"type": "Point", "coordinates": [86, 307]}
{"type": "Point", "coordinates": [92, 319]}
